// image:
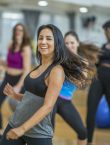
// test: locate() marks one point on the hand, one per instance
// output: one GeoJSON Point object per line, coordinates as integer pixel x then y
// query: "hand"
{"type": "Point", "coordinates": [9, 91]}
{"type": "Point", "coordinates": [15, 133]}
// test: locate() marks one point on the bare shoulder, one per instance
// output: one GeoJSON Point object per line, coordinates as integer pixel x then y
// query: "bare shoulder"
{"type": "Point", "coordinates": [9, 45]}
{"type": "Point", "coordinates": [57, 71]}
{"type": "Point", "coordinates": [58, 68]}
{"type": "Point", "coordinates": [27, 49]}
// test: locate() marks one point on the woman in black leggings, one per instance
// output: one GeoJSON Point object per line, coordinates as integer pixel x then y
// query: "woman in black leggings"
{"type": "Point", "coordinates": [64, 106]}
{"type": "Point", "coordinates": [100, 85]}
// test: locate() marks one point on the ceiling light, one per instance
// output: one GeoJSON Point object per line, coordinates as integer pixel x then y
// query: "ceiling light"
{"type": "Point", "coordinates": [83, 10]}
{"type": "Point", "coordinates": [42, 3]}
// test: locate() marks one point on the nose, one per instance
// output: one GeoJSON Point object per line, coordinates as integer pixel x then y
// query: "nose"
{"type": "Point", "coordinates": [68, 45]}
{"type": "Point", "coordinates": [44, 41]}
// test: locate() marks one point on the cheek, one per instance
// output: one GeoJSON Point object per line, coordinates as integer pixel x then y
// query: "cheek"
{"type": "Point", "coordinates": [73, 46]}
{"type": "Point", "coordinates": [71, 49]}
{"type": "Point", "coordinates": [68, 46]}
{"type": "Point", "coordinates": [52, 47]}
{"type": "Point", "coordinates": [77, 44]}
{"type": "Point", "coordinates": [19, 35]}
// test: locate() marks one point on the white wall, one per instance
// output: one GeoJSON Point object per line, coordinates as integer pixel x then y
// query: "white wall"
{"type": "Point", "coordinates": [61, 20]}
{"type": "Point", "coordinates": [94, 34]}
{"type": "Point", "coordinates": [7, 25]}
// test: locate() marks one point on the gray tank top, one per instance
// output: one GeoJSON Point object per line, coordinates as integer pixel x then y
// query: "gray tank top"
{"type": "Point", "coordinates": [26, 108]}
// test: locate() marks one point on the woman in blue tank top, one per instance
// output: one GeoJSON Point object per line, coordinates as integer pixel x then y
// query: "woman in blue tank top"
{"type": "Point", "coordinates": [31, 122]}
{"type": "Point", "coordinates": [64, 106]}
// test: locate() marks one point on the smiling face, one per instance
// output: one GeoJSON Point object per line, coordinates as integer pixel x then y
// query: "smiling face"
{"type": "Point", "coordinates": [46, 42]}
{"type": "Point", "coordinates": [71, 43]}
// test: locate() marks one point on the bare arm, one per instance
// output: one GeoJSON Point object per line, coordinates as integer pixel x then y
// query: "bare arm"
{"type": "Point", "coordinates": [56, 79]}
{"type": "Point", "coordinates": [26, 66]}
{"type": "Point", "coordinates": [19, 96]}
{"type": "Point", "coordinates": [9, 91]}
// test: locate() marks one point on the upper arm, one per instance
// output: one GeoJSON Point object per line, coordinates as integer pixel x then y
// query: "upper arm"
{"type": "Point", "coordinates": [56, 79]}
{"type": "Point", "coordinates": [27, 58]}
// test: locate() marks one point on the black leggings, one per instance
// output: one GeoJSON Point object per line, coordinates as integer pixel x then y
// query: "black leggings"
{"type": "Point", "coordinates": [11, 80]}
{"type": "Point", "coordinates": [99, 86]}
{"type": "Point", "coordinates": [69, 113]}
{"type": "Point", "coordinates": [24, 140]}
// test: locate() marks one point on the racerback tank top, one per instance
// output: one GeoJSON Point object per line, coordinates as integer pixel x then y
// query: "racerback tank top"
{"type": "Point", "coordinates": [32, 100]}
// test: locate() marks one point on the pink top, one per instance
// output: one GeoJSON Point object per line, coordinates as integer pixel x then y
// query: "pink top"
{"type": "Point", "coordinates": [15, 60]}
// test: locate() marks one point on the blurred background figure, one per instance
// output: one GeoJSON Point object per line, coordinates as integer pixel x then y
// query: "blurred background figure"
{"type": "Point", "coordinates": [100, 84]}
{"type": "Point", "coordinates": [18, 62]}
{"type": "Point", "coordinates": [64, 106]}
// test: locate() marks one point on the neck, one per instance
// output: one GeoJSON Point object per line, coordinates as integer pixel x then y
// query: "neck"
{"type": "Point", "coordinates": [47, 60]}
{"type": "Point", "coordinates": [18, 42]}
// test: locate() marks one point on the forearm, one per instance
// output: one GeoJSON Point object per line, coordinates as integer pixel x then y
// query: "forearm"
{"type": "Point", "coordinates": [18, 96]}
{"type": "Point", "coordinates": [37, 117]}
{"type": "Point", "coordinates": [21, 80]}
{"type": "Point", "coordinates": [55, 82]}
{"type": "Point", "coordinates": [26, 65]}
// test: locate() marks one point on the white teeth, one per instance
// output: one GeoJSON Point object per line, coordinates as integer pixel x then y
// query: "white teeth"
{"type": "Point", "coordinates": [43, 47]}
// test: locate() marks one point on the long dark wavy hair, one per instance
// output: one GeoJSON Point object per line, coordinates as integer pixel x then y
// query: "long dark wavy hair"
{"type": "Point", "coordinates": [26, 39]}
{"type": "Point", "coordinates": [73, 64]}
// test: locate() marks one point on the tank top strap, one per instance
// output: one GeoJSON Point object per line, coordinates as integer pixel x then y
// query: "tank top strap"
{"type": "Point", "coordinates": [48, 70]}
{"type": "Point", "coordinates": [34, 69]}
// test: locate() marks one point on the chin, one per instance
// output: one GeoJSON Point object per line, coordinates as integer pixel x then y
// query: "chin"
{"type": "Point", "coordinates": [18, 37]}
{"type": "Point", "coordinates": [44, 54]}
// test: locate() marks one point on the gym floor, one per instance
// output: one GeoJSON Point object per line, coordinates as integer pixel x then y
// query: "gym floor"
{"type": "Point", "coordinates": [64, 135]}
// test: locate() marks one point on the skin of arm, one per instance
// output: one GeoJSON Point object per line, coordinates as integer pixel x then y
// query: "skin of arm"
{"type": "Point", "coordinates": [26, 66]}
{"type": "Point", "coordinates": [55, 82]}
{"type": "Point", "coordinates": [9, 91]}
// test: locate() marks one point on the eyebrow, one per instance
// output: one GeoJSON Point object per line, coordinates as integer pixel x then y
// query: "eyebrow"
{"type": "Point", "coordinates": [43, 36]}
